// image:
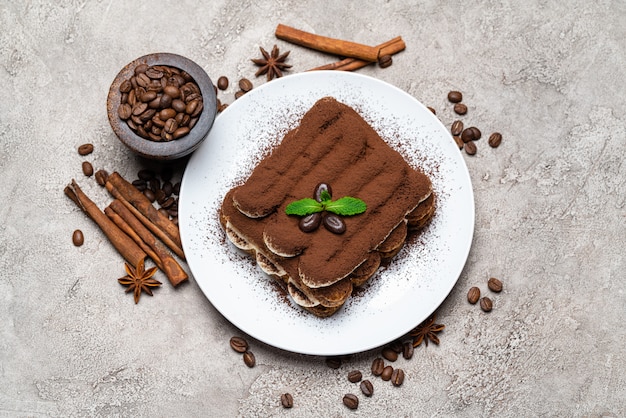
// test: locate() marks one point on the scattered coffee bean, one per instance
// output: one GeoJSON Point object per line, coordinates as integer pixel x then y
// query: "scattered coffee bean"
{"type": "Point", "coordinates": [473, 295]}
{"type": "Point", "coordinates": [385, 61]}
{"type": "Point", "coordinates": [85, 149]}
{"type": "Point", "coordinates": [77, 238]}
{"type": "Point", "coordinates": [367, 388]}
{"type": "Point", "coordinates": [355, 376]}
{"type": "Point", "coordinates": [460, 109]}
{"type": "Point", "coordinates": [495, 139]}
{"type": "Point", "coordinates": [477, 134]}
{"type": "Point", "coordinates": [433, 111]}
{"type": "Point", "coordinates": [456, 128]}
{"type": "Point", "coordinates": [87, 168]}
{"type": "Point", "coordinates": [149, 194]}
{"type": "Point", "coordinates": [239, 344]}
{"type": "Point", "coordinates": [407, 350]}
{"type": "Point", "coordinates": [239, 93]}
{"type": "Point", "coordinates": [333, 362]}
{"type": "Point", "coordinates": [396, 346]}
{"type": "Point", "coordinates": [245, 85]}
{"type": "Point", "coordinates": [101, 177]}
{"type": "Point", "coordinates": [470, 148]}
{"type": "Point", "coordinates": [248, 359]}
{"type": "Point", "coordinates": [494, 285]}
{"type": "Point", "coordinates": [459, 141]}
{"type": "Point", "coordinates": [377, 366]}
{"type": "Point", "coordinates": [389, 354]}
{"type": "Point", "coordinates": [455, 96]}
{"type": "Point", "coordinates": [286, 400]}
{"type": "Point", "coordinates": [467, 135]}
{"type": "Point", "coordinates": [351, 401]}
{"type": "Point", "coordinates": [386, 374]}
{"type": "Point", "coordinates": [397, 377]}
{"type": "Point", "coordinates": [486, 304]}
{"type": "Point", "coordinates": [222, 83]}
{"type": "Point", "coordinates": [334, 223]}
{"type": "Point", "coordinates": [145, 174]}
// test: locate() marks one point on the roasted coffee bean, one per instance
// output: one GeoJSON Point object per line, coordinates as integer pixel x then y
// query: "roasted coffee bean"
{"type": "Point", "coordinates": [149, 194]}
{"type": "Point", "coordinates": [334, 223]}
{"type": "Point", "coordinates": [141, 68]}
{"type": "Point", "coordinates": [125, 86]}
{"type": "Point", "coordinates": [432, 110]}
{"type": "Point", "coordinates": [494, 285]}
{"type": "Point", "coordinates": [101, 177]}
{"type": "Point", "coordinates": [154, 184]}
{"type": "Point", "coordinates": [333, 362]}
{"type": "Point", "coordinates": [77, 238]}
{"type": "Point", "coordinates": [139, 108]}
{"type": "Point", "coordinates": [239, 93]}
{"type": "Point", "coordinates": [377, 366]}
{"type": "Point", "coordinates": [367, 388]}
{"type": "Point", "coordinates": [140, 184]}
{"type": "Point", "coordinates": [168, 187]}
{"type": "Point", "coordinates": [476, 132]}
{"type": "Point", "coordinates": [460, 109]}
{"type": "Point", "coordinates": [166, 114]}
{"type": "Point", "coordinates": [467, 135]}
{"type": "Point", "coordinates": [87, 168]}
{"type": "Point", "coordinates": [170, 126]}
{"type": "Point", "coordinates": [386, 374]}
{"type": "Point", "coordinates": [396, 346]}
{"type": "Point", "coordinates": [355, 376]}
{"type": "Point", "coordinates": [143, 80]}
{"type": "Point", "coordinates": [124, 111]}
{"type": "Point", "coordinates": [310, 222]}
{"type": "Point", "coordinates": [239, 344]}
{"type": "Point", "coordinates": [317, 194]}
{"type": "Point", "coordinates": [245, 85]}
{"type": "Point", "coordinates": [486, 304]}
{"type": "Point", "coordinates": [168, 203]}
{"type": "Point", "coordinates": [459, 142]}
{"type": "Point", "coordinates": [473, 295]}
{"type": "Point", "coordinates": [495, 139]}
{"type": "Point", "coordinates": [470, 148]}
{"type": "Point", "coordinates": [191, 106]}
{"type": "Point", "coordinates": [397, 377]}
{"type": "Point", "coordinates": [457, 128]}
{"type": "Point", "coordinates": [248, 359]}
{"type": "Point", "coordinates": [455, 96]}
{"type": "Point", "coordinates": [222, 83]}
{"type": "Point", "coordinates": [389, 354]}
{"type": "Point", "coordinates": [286, 400]}
{"type": "Point", "coordinates": [178, 105]}
{"type": "Point", "coordinates": [198, 110]}
{"type": "Point", "coordinates": [85, 149]}
{"type": "Point", "coordinates": [385, 61]}
{"type": "Point", "coordinates": [407, 350]}
{"type": "Point", "coordinates": [351, 401]}
{"type": "Point", "coordinates": [172, 91]}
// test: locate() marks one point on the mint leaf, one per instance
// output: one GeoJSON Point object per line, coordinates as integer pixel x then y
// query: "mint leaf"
{"type": "Point", "coordinates": [346, 206]}
{"type": "Point", "coordinates": [325, 196]}
{"type": "Point", "coordinates": [304, 207]}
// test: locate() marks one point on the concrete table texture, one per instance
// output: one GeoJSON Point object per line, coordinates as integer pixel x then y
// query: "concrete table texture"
{"type": "Point", "coordinates": [550, 213]}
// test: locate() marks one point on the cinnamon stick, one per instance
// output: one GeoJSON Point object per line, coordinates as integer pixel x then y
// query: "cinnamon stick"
{"type": "Point", "coordinates": [125, 219]}
{"type": "Point", "coordinates": [390, 47]}
{"type": "Point", "coordinates": [142, 208]}
{"type": "Point", "coordinates": [329, 45]}
{"type": "Point", "coordinates": [122, 242]}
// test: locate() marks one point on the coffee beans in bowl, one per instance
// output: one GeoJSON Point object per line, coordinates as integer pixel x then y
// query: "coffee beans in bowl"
{"type": "Point", "coordinates": [162, 106]}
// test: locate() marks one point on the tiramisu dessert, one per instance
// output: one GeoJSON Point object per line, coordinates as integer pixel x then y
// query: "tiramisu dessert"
{"type": "Point", "coordinates": [327, 206]}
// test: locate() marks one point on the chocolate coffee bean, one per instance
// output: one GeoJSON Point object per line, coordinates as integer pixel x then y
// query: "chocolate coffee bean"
{"type": "Point", "coordinates": [333, 362]}
{"type": "Point", "coordinates": [239, 344]}
{"type": "Point", "coordinates": [486, 304]}
{"type": "Point", "coordinates": [385, 61]}
{"type": "Point", "coordinates": [355, 376]}
{"type": "Point", "coordinates": [310, 222]}
{"type": "Point", "coordinates": [245, 85]}
{"type": "Point", "coordinates": [85, 149]}
{"type": "Point", "coordinates": [77, 238]}
{"type": "Point", "coordinates": [495, 139]}
{"type": "Point", "coordinates": [87, 168]}
{"type": "Point", "coordinates": [407, 350]}
{"type": "Point", "coordinates": [321, 187]}
{"type": "Point", "coordinates": [377, 366]}
{"type": "Point", "coordinates": [494, 285]}
{"type": "Point", "coordinates": [222, 83]}
{"type": "Point", "coordinates": [470, 148]}
{"type": "Point", "coordinates": [456, 128]}
{"type": "Point", "coordinates": [286, 400]}
{"type": "Point", "coordinates": [460, 109]}
{"type": "Point", "coordinates": [389, 354]}
{"type": "Point", "coordinates": [351, 401]}
{"type": "Point", "coordinates": [386, 374]}
{"type": "Point", "coordinates": [334, 224]}
{"type": "Point", "coordinates": [455, 96]}
{"type": "Point", "coordinates": [367, 388]}
{"type": "Point", "coordinates": [248, 359]}
{"type": "Point", "coordinates": [397, 377]}
{"type": "Point", "coordinates": [473, 295]}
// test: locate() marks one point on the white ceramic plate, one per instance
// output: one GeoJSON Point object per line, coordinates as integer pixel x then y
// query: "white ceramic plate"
{"type": "Point", "coordinates": [398, 297]}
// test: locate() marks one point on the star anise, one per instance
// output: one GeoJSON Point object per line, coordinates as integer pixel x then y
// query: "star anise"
{"type": "Point", "coordinates": [425, 331]}
{"type": "Point", "coordinates": [138, 279]}
{"type": "Point", "coordinates": [271, 64]}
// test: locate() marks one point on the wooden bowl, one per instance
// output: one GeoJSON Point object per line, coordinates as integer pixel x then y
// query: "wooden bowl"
{"type": "Point", "coordinates": [166, 150]}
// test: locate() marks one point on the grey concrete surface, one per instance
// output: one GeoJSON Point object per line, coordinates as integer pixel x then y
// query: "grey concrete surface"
{"type": "Point", "coordinates": [550, 213]}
